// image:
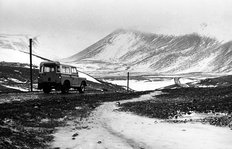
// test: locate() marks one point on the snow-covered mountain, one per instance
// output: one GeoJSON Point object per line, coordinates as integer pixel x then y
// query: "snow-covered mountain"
{"type": "Point", "coordinates": [134, 51]}
{"type": "Point", "coordinates": [15, 48]}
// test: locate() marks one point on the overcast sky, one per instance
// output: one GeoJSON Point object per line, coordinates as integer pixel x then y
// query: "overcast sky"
{"type": "Point", "coordinates": [72, 25]}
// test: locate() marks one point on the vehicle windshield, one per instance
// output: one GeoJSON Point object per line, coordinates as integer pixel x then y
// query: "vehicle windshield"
{"type": "Point", "coordinates": [47, 68]}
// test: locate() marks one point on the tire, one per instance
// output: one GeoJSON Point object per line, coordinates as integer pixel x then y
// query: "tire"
{"type": "Point", "coordinates": [65, 87]}
{"type": "Point", "coordinates": [47, 89]}
{"type": "Point", "coordinates": [82, 87]}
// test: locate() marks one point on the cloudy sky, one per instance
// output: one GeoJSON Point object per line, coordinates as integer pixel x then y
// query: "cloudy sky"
{"type": "Point", "coordinates": [69, 26]}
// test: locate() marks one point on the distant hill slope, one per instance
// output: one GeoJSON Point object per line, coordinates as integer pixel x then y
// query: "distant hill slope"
{"type": "Point", "coordinates": [15, 48]}
{"type": "Point", "coordinates": [126, 50]}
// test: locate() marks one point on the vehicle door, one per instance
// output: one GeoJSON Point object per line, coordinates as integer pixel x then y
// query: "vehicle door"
{"type": "Point", "coordinates": [66, 74]}
{"type": "Point", "coordinates": [74, 76]}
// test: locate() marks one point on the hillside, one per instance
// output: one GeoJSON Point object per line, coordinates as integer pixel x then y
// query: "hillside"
{"type": "Point", "coordinates": [126, 50]}
{"type": "Point", "coordinates": [15, 48]}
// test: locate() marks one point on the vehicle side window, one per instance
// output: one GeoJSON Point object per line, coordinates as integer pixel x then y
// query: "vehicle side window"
{"type": "Point", "coordinates": [52, 69]}
{"type": "Point", "coordinates": [67, 70]}
{"type": "Point", "coordinates": [63, 69]}
{"type": "Point", "coordinates": [74, 70]}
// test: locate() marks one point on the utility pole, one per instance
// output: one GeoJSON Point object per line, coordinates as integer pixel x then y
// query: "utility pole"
{"type": "Point", "coordinates": [30, 45]}
{"type": "Point", "coordinates": [128, 78]}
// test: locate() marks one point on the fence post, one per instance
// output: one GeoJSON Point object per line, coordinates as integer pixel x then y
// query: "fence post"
{"type": "Point", "coordinates": [30, 45]}
{"type": "Point", "coordinates": [128, 78]}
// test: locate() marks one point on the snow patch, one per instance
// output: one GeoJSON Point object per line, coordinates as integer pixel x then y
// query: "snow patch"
{"type": "Point", "coordinates": [197, 116]}
{"type": "Point", "coordinates": [143, 85]}
{"type": "Point", "coordinates": [206, 86]}
{"type": "Point", "coordinates": [88, 77]}
{"type": "Point", "coordinates": [17, 71]}
{"type": "Point", "coordinates": [162, 135]}
{"type": "Point", "coordinates": [14, 87]}
{"type": "Point", "coordinates": [16, 80]}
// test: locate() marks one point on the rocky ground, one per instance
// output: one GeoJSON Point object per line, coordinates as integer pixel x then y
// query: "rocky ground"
{"type": "Point", "coordinates": [31, 123]}
{"type": "Point", "coordinates": [99, 119]}
{"type": "Point", "coordinates": [108, 117]}
{"type": "Point", "coordinates": [173, 104]}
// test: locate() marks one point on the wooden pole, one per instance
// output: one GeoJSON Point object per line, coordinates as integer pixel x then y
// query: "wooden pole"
{"type": "Point", "coordinates": [128, 78]}
{"type": "Point", "coordinates": [30, 45]}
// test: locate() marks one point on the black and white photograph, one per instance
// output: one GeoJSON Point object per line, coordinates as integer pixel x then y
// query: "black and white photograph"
{"type": "Point", "coordinates": [115, 74]}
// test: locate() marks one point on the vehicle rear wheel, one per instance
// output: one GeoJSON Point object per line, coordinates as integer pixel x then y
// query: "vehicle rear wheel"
{"type": "Point", "coordinates": [82, 88]}
{"type": "Point", "coordinates": [65, 87]}
{"type": "Point", "coordinates": [46, 89]}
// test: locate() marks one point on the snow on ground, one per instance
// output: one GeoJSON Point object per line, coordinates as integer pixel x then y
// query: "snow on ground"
{"type": "Point", "coordinates": [207, 86]}
{"type": "Point", "coordinates": [187, 80]}
{"type": "Point", "coordinates": [160, 135]}
{"type": "Point", "coordinates": [198, 116]}
{"type": "Point", "coordinates": [16, 80]}
{"type": "Point", "coordinates": [142, 85]}
{"type": "Point", "coordinates": [15, 87]}
{"type": "Point", "coordinates": [109, 128]}
{"type": "Point", "coordinates": [88, 77]}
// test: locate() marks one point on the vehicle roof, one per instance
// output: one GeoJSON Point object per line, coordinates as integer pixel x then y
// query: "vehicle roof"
{"type": "Point", "coordinates": [47, 62]}
{"type": "Point", "coordinates": [56, 63]}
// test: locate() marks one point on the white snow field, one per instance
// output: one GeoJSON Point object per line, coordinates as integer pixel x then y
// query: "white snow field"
{"type": "Point", "coordinates": [15, 87]}
{"type": "Point", "coordinates": [144, 85]}
{"type": "Point", "coordinates": [88, 77]}
{"type": "Point", "coordinates": [109, 128]}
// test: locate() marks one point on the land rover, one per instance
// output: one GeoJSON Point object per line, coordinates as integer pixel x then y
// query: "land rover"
{"type": "Point", "coordinates": [54, 75]}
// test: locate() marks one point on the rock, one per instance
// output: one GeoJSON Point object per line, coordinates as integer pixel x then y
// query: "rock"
{"type": "Point", "coordinates": [118, 103]}
{"type": "Point", "coordinates": [75, 134]}
{"type": "Point", "coordinates": [99, 142]}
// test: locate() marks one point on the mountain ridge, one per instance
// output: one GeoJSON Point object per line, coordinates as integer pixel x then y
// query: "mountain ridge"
{"type": "Point", "coordinates": [135, 51]}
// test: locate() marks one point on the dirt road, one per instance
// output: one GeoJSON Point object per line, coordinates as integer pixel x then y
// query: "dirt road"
{"type": "Point", "coordinates": [107, 127]}
{"type": "Point", "coordinates": [29, 120]}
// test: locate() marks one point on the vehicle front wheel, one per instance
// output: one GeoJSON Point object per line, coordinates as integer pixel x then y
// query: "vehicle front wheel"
{"type": "Point", "coordinates": [82, 88]}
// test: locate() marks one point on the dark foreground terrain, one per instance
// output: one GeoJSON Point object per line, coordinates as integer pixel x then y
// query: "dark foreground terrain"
{"type": "Point", "coordinates": [31, 123]}
{"type": "Point", "coordinates": [173, 103]}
